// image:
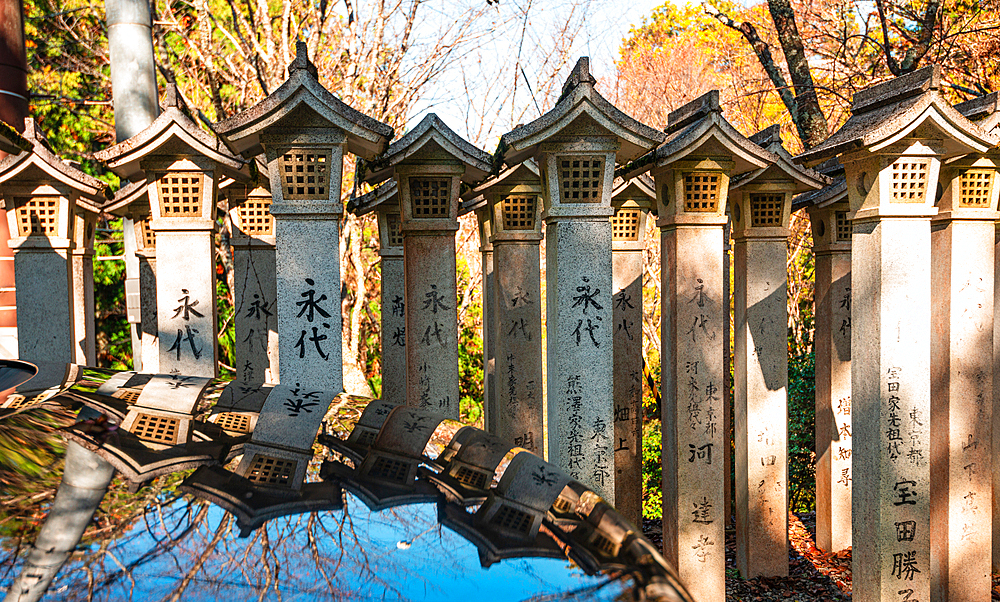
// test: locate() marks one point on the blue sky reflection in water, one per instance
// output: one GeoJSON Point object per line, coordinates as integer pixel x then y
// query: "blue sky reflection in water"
{"type": "Point", "coordinates": [398, 554]}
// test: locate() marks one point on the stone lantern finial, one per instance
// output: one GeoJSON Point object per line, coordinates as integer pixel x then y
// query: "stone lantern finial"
{"type": "Point", "coordinates": [302, 61]}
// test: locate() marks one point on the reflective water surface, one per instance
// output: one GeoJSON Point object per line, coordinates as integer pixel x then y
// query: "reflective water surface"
{"type": "Point", "coordinates": [225, 491]}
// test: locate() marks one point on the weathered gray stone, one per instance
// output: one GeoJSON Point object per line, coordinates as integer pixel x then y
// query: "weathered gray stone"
{"type": "Point", "coordinates": [490, 393]}
{"type": "Point", "coordinates": [632, 201]}
{"type": "Point", "coordinates": [577, 145]}
{"type": "Point", "coordinates": [961, 382]}
{"type": "Point", "coordinates": [85, 346]}
{"type": "Point", "coordinates": [41, 195]}
{"type": "Point", "coordinates": [831, 232]}
{"type": "Point", "coordinates": [254, 269]}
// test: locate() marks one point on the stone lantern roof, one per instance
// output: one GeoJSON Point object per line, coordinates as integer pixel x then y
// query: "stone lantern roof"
{"type": "Point", "coordinates": [129, 196]}
{"type": "Point", "coordinates": [582, 111]}
{"type": "Point", "coordinates": [173, 133]}
{"type": "Point", "coordinates": [984, 111]}
{"type": "Point", "coordinates": [365, 204]}
{"type": "Point", "coordinates": [783, 168]}
{"type": "Point", "coordinates": [301, 104]}
{"type": "Point", "coordinates": [431, 141]}
{"type": "Point", "coordinates": [698, 129]}
{"type": "Point", "coordinates": [639, 187]}
{"type": "Point", "coordinates": [38, 164]}
{"type": "Point", "coordinates": [476, 198]}
{"type": "Point", "coordinates": [11, 142]}
{"type": "Point", "coordinates": [888, 112]}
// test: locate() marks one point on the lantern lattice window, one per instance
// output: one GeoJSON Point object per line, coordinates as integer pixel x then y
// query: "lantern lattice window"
{"type": "Point", "coordinates": [975, 189]}
{"type": "Point", "coordinates": [129, 396]}
{"type": "Point", "coordinates": [512, 519]}
{"type": "Point", "coordinates": [430, 197]}
{"type": "Point", "coordinates": [180, 194]}
{"type": "Point", "coordinates": [519, 212]}
{"type": "Point", "coordinates": [232, 421]}
{"type": "Point", "coordinates": [148, 234]}
{"type": "Point", "coordinates": [701, 192]}
{"type": "Point", "coordinates": [366, 438]}
{"type": "Point", "coordinates": [604, 544]}
{"type": "Point", "coordinates": [255, 217]}
{"type": "Point", "coordinates": [765, 210]}
{"type": "Point", "coordinates": [909, 180]}
{"type": "Point", "coordinates": [389, 469]}
{"type": "Point", "coordinates": [268, 470]}
{"type": "Point", "coordinates": [562, 506]}
{"type": "Point", "coordinates": [581, 179]}
{"type": "Point", "coordinates": [843, 226]}
{"type": "Point", "coordinates": [19, 401]}
{"type": "Point", "coordinates": [158, 429]}
{"type": "Point", "coordinates": [395, 229]}
{"type": "Point", "coordinates": [475, 479]}
{"type": "Point", "coordinates": [305, 175]}
{"type": "Point", "coordinates": [625, 224]}
{"type": "Point", "coordinates": [37, 216]}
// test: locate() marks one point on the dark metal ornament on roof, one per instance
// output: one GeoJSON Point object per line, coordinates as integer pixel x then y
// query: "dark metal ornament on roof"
{"type": "Point", "coordinates": [302, 105]}
{"type": "Point", "coordinates": [581, 110]}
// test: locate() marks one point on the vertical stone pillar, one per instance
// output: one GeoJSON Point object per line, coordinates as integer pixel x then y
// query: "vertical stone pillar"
{"type": "Point", "coordinates": [831, 233]}
{"type": "Point", "coordinates": [426, 193]}
{"type": "Point", "coordinates": [490, 409]}
{"type": "Point", "coordinates": [306, 218]}
{"type": "Point", "coordinates": [628, 238]}
{"type": "Point", "coordinates": [84, 348]}
{"type": "Point", "coordinates": [996, 397]}
{"type": "Point", "coordinates": [760, 231]}
{"type": "Point", "coordinates": [691, 199]}
{"type": "Point", "coordinates": [515, 203]}
{"type": "Point", "coordinates": [393, 306]}
{"type": "Point", "coordinates": [254, 269]}
{"type": "Point", "coordinates": [727, 376]}
{"type": "Point", "coordinates": [579, 312]}
{"type": "Point", "coordinates": [148, 331]}
{"type": "Point", "coordinates": [182, 197]}
{"type": "Point", "coordinates": [41, 228]}
{"type": "Point", "coordinates": [961, 416]}
{"type": "Point", "coordinates": [890, 376]}
{"type": "Point", "coordinates": [133, 302]}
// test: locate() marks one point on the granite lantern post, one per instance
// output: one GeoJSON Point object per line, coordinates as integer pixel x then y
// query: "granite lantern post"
{"type": "Point", "coordinates": [254, 269]}
{"type": "Point", "coordinates": [428, 165]}
{"type": "Point", "coordinates": [831, 233]}
{"type": "Point", "coordinates": [760, 205]}
{"type": "Point", "coordinates": [513, 206]}
{"type": "Point", "coordinates": [962, 315]}
{"type": "Point", "coordinates": [84, 228]}
{"type": "Point", "coordinates": [131, 203]}
{"type": "Point", "coordinates": [576, 145]}
{"type": "Point", "coordinates": [42, 195]}
{"type": "Point", "coordinates": [304, 130]}
{"type": "Point", "coordinates": [984, 111]}
{"type": "Point", "coordinates": [691, 171]}
{"type": "Point", "coordinates": [632, 201]}
{"type": "Point", "coordinates": [181, 164]}
{"type": "Point", "coordinates": [892, 148]}
{"type": "Point", "coordinates": [484, 220]}
{"type": "Point", "coordinates": [384, 200]}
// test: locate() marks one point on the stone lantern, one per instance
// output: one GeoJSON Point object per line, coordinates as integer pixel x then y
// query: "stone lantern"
{"type": "Point", "coordinates": [512, 208]}
{"type": "Point", "coordinates": [384, 200]}
{"type": "Point", "coordinates": [760, 207]}
{"type": "Point", "coordinates": [829, 214]}
{"type": "Point", "coordinates": [181, 165]}
{"type": "Point", "coordinates": [577, 145]}
{"type": "Point", "coordinates": [303, 131]}
{"type": "Point", "coordinates": [131, 203]}
{"type": "Point", "coordinates": [692, 171]}
{"type": "Point", "coordinates": [428, 164]}
{"type": "Point", "coordinates": [909, 455]}
{"type": "Point", "coordinates": [632, 200]}
{"type": "Point", "coordinates": [251, 228]}
{"type": "Point", "coordinates": [51, 213]}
